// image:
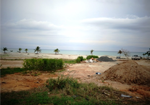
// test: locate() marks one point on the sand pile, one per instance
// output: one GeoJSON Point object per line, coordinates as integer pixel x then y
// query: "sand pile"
{"type": "Point", "coordinates": [128, 72]}
{"type": "Point", "coordinates": [104, 58]}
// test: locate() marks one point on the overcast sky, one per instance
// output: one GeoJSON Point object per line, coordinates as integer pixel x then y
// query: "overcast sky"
{"type": "Point", "coordinates": [105, 25]}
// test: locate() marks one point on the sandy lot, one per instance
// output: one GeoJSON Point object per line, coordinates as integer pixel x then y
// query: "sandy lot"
{"type": "Point", "coordinates": [83, 72]}
{"type": "Point", "coordinates": [11, 63]}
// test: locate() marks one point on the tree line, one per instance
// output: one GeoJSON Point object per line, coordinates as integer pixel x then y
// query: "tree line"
{"type": "Point", "coordinates": [36, 50]}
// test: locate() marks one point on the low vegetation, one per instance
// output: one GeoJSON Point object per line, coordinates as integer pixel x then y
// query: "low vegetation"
{"type": "Point", "coordinates": [29, 65]}
{"type": "Point", "coordinates": [91, 56]}
{"type": "Point", "coordinates": [8, 70]}
{"type": "Point", "coordinates": [79, 59]}
{"type": "Point", "coordinates": [69, 61]}
{"type": "Point", "coordinates": [61, 91]}
{"type": "Point", "coordinates": [67, 91]}
{"type": "Point", "coordinates": [43, 64]}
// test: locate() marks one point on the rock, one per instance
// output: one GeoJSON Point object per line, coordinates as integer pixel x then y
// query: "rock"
{"type": "Point", "coordinates": [3, 82]}
{"type": "Point", "coordinates": [88, 75]}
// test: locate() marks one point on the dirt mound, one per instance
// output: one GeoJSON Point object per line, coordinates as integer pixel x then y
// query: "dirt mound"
{"type": "Point", "coordinates": [105, 58]}
{"type": "Point", "coordinates": [128, 72]}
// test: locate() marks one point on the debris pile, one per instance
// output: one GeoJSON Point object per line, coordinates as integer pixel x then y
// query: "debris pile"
{"type": "Point", "coordinates": [104, 58]}
{"type": "Point", "coordinates": [128, 72]}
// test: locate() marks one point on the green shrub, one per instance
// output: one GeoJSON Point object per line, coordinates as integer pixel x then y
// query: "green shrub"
{"type": "Point", "coordinates": [81, 57]}
{"type": "Point", "coordinates": [78, 60]}
{"type": "Point", "coordinates": [61, 83]}
{"type": "Point", "coordinates": [43, 64]}
{"type": "Point", "coordinates": [91, 56]}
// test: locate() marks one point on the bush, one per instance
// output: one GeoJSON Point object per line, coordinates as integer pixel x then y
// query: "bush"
{"type": "Point", "coordinates": [79, 59]}
{"type": "Point", "coordinates": [91, 56]}
{"type": "Point", "coordinates": [43, 64]}
{"type": "Point", "coordinates": [61, 83]}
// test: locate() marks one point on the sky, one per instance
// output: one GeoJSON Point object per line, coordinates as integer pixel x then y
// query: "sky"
{"type": "Point", "coordinates": [102, 25]}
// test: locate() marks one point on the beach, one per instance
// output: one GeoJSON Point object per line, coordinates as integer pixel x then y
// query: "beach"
{"type": "Point", "coordinates": [15, 55]}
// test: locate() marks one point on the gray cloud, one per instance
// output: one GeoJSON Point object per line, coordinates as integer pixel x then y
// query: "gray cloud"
{"type": "Point", "coordinates": [32, 25]}
{"type": "Point", "coordinates": [134, 24]}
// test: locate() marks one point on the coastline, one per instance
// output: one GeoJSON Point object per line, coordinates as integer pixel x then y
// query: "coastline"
{"type": "Point", "coordinates": [15, 55]}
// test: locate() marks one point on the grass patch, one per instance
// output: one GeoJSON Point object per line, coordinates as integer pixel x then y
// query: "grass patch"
{"type": "Point", "coordinates": [61, 83]}
{"type": "Point", "coordinates": [89, 92]}
{"type": "Point", "coordinates": [8, 70]}
{"type": "Point", "coordinates": [69, 61]}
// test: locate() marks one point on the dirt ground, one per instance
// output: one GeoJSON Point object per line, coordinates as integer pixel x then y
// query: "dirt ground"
{"type": "Point", "coordinates": [83, 72]}
{"type": "Point", "coordinates": [18, 82]}
{"type": "Point", "coordinates": [11, 63]}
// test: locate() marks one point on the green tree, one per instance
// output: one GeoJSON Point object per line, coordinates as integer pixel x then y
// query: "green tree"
{"type": "Point", "coordinates": [37, 49]}
{"type": "Point", "coordinates": [5, 49]}
{"type": "Point", "coordinates": [56, 51]}
{"type": "Point", "coordinates": [26, 50]}
{"type": "Point", "coordinates": [120, 52]}
{"type": "Point", "coordinates": [20, 50]}
{"type": "Point", "coordinates": [92, 51]}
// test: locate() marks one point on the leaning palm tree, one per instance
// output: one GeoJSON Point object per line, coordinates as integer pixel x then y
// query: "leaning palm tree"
{"type": "Point", "coordinates": [26, 50]}
{"type": "Point", "coordinates": [92, 52]}
{"type": "Point", "coordinates": [120, 52]}
{"type": "Point", "coordinates": [5, 49]}
{"type": "Point", "coordinates": [144, 54]}
{"type": "Point", "coordinates": [56, 51]}
{"type": "Point", "coordinates": [37, 50]}
{"type": "Point", "coordinates": [147, 53]}
{"type": "Point", "coordinates": [20, 50]}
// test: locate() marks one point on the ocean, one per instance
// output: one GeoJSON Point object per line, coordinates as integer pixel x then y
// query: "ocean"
{"type": "Point", "coordinates": [78, 52]}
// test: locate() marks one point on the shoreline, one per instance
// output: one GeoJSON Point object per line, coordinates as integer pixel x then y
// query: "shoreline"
{"type": "Point", "coordinates": [23, 55]}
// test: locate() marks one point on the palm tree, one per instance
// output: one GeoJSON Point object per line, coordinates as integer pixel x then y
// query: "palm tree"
{"type": "Point", "coordinates": [147, 53]}
{"type": "Point", "coordinates": [5, 49]}
{"type": "Point", "coordinates": [92, 51]}
{"type": "Point", "coordinates": [56, 51]}
{"type": "Point", "coordinates": [37, 49]}
{"type": "Point", "coordinates": [20, 50]}
{"type": "Point", "coordinates": [120, 52]}
{"type": "Point", "coordinates": [26, 50]}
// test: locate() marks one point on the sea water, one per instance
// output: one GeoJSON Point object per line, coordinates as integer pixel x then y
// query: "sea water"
{"type": "Point", "coordinates": [77, 52]}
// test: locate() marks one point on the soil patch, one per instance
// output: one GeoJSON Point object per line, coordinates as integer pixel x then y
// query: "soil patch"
{"type": "Point", "coordinates": [128, 72]}
{"type": "Point", "coordinates": [18, 82]}
{"type": "Point", "coordinates": [11, 63]}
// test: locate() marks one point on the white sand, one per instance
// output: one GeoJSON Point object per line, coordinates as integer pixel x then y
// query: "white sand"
{"type": "Point", "coordinates": [14, 55]}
